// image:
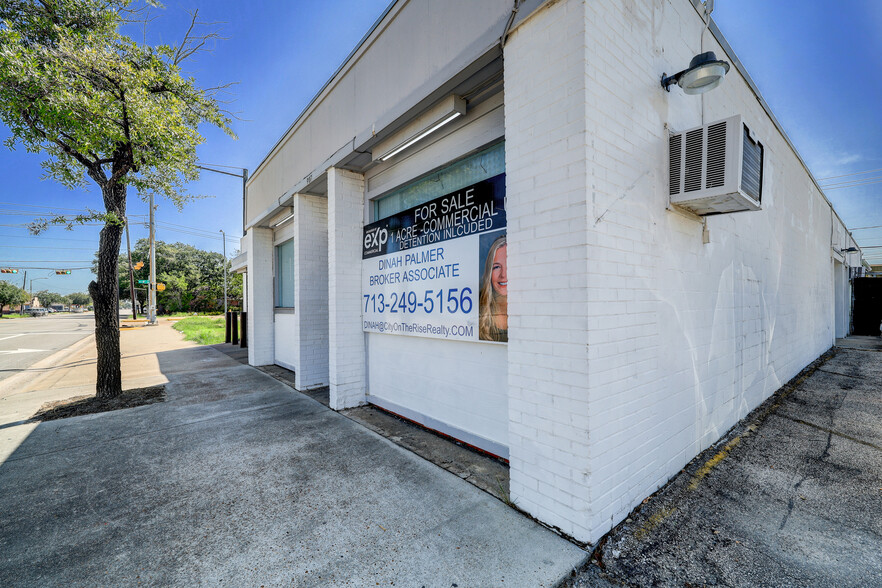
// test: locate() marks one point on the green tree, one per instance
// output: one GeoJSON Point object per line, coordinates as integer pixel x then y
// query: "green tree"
{"type": "Point", "coordinates": [80, 299]}
{"type": "Point", "coordinates": [101, 106]}
{"type": "Point", "coordinates": [11, 295]}
{"type": "Point", "coordinates": [193, 277]}
{"type": "Point", "coordinates": [48, 298]}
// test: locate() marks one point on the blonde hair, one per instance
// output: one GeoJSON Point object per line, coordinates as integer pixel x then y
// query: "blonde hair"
{"type": "Point", "coordinates": [489, 301]}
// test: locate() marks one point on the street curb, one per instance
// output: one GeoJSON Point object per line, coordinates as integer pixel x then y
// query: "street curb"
{"type": "Point", "coordinates": [43, 364]}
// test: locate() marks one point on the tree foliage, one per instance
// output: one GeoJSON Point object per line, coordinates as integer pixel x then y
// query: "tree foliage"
{"type": "Point", "coordinates": [193, 278]}
{"type": "Point", "coordinates": [80, 298]}
{"type": "Point", "coordinates": [101, 106]}
{"type": "Point", "coordinates": [12, 295]}
{"type": "Point", "coordinates": [95, 101]}
{"type": "Point", "coordinates": [48, 298]}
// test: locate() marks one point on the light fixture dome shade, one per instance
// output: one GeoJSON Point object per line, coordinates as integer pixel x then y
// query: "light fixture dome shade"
{"type": "Point", "coordinates": [703, 79]}
{"type": "Point", "coordinates": [705, 72]}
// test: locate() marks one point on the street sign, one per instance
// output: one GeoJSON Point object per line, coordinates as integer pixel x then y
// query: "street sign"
{"type": "Point", "coordinates": [143, 281]}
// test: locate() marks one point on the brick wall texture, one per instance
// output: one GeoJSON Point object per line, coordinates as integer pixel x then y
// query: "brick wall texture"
{"type": "Point", "coordinates": [634, 345]}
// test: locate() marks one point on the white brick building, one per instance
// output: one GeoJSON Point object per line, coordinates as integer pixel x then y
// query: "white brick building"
{"type": "Point", "coordinates": [637, 331]}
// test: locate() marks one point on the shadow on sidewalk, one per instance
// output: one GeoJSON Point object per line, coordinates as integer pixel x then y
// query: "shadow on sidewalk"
{"type": "Point", "coordinates": [237, 479]}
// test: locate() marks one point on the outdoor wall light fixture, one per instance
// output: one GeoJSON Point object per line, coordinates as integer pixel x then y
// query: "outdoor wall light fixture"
{"type": "Point", "coordinates": [705, 72]}
{"type": "Point", "coordinates": [282, 217]}
{"type": "Point", "coordinates": [850, 250]}
{"type": "Point", "coordinates": [449, 109]}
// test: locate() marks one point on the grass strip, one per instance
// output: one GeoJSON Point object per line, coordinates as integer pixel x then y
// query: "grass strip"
{"type": "Point", "coordinates": [202, 329]}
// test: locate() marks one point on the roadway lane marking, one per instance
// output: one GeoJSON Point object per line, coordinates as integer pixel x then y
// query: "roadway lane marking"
{"type": "Point", "coordinates": [53, 333]}
{"type": "Point", "coordinates": [12, 351]}
{"type": "Point", "coordinates": [11, 336]}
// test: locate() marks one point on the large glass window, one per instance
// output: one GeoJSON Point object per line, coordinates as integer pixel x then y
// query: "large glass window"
{"type": "Point", "coordinates": [465, 172]}
{"type": "Point", "coordinates": [285, 274]}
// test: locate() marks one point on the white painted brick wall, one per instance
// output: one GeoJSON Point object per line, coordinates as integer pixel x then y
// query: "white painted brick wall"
{"type": "Point", "coordinates": [634, 346]}
{"type": "Point", "coordinates": [261, 345]}
{"type": "Point", "coordinates": [311, 290]}
{"type": "Point", "coordinates": [712, 329]}
{"type": "Point", "coordinates": [547, 255]}
{"type": "Point", "coordinates": [346, 361]}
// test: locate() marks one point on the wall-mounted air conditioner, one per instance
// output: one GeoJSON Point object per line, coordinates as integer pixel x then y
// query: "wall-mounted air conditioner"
{"type": "Point", "coordinates": [716, 168]}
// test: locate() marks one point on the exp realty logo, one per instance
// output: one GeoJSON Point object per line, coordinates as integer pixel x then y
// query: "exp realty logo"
{"type": "Point", "coordinates": [375, 239]}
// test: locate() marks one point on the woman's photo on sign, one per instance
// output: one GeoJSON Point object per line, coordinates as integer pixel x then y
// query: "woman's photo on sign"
{"type": "Point", "coordinates": [493, 299]}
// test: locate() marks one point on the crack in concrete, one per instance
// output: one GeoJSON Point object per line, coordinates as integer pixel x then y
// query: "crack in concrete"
{"type": "Point", "coordinates": [845, 375]}
{"type": "Point", "coordinates": [831, 431]}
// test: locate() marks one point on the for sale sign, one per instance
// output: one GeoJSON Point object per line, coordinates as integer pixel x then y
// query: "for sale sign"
{"type": "Point", "coordinates": [439, 269]}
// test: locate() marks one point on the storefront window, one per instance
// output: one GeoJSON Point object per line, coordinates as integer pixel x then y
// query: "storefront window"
{"type": "Point", "coordinates": [285, 274]}
{"type": "Point", "coordinates": [468, 171]}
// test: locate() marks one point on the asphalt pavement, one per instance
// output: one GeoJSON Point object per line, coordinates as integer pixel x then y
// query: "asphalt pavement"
{"type": "Point", "coordinates": [26, 341]}
{"type": "Point", "coordinates": [791, 497]}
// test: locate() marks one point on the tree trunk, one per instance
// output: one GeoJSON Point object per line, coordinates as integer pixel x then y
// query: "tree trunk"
{"type": "Point", "coordinates": [105, 296]}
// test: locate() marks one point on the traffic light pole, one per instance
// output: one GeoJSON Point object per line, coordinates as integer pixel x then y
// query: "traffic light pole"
{"type": "Point", "coordinates": [131, 272]}
{"type": "Point", "coordinates": [151, 309]}
{"type": "Point", "coordinates": [23, 283]}
{"type": "Point", "coordinates": [225, 274]}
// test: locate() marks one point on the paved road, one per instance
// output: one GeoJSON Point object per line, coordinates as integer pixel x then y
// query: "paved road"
{"type": "Point", "coordinates": [25, 341]}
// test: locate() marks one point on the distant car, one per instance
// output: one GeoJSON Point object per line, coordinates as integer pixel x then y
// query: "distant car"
{"type": "Point", "coordinates": [52, 310]}
{"type": "Point", "coordinates": [37, 311]}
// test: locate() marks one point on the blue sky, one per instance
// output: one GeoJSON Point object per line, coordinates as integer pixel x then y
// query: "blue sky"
{"type": "Point", "coordinates": [818, 66]}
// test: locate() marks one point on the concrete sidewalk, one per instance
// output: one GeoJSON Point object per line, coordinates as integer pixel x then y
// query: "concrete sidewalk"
{"type": "Point", "coordinates": [71, 372]}
{"type": "Point", "coordinates": [237, 479]}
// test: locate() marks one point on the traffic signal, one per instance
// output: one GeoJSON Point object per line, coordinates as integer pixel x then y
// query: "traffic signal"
{"type": "Point", "coordinates": [7, 270]}
{"type": "Point", "coordinates": [62, 272]}
{"type": "Point", "coordinates": [138, 265]}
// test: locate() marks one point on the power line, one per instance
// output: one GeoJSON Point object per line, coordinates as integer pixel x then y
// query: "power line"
{"type": "Point", "coordinates": [51, 267]}
{"type": "Point", "coordinates": [867, 183]}
{"type": "Point", "coordinates": [25, 225]}
{"type": "Point", "coordinates": [47, 238]}
{"type": "Point", "coordinates": [39, 206]}
{"type": "Point", "coordinates": [870, 171]}
{"type": "Point", "coordinates": [864, 228]}
{"type": "Point", "coordinates": [196, 230]}
{"type": "Point", "coordinates": [848, 181]}
{"type": "Point", "coordinates": [53, 248]}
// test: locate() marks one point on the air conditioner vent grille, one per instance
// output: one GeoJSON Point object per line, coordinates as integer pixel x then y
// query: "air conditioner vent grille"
{"type": "Point", "coordinates": [752, 167]}
{"type": "Point", "coordinates": [716, 168]}
{"type": "Point", "coordinates": [694, 156]}
{"type": "Point", "coordinates": [676, 154]}
{"type": "Point", "coordinates": [716, 155]}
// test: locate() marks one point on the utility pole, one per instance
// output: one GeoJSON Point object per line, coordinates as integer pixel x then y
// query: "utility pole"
{"type": "Point", "coordinates": [23, 284]}
{"type": "Point", "coordinates": [131, 272]}
{"type": "Point", "coordinates": [151, 292]}
{"type": "Point", "coordinates": [225, 272]}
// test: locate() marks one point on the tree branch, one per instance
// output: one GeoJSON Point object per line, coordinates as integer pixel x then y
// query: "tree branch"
{"type": "Point", "coordinates": [93, 169]}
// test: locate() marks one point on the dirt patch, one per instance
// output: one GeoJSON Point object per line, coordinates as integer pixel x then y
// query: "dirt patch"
{"type": "Point", "coordinates": [80, 405]}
